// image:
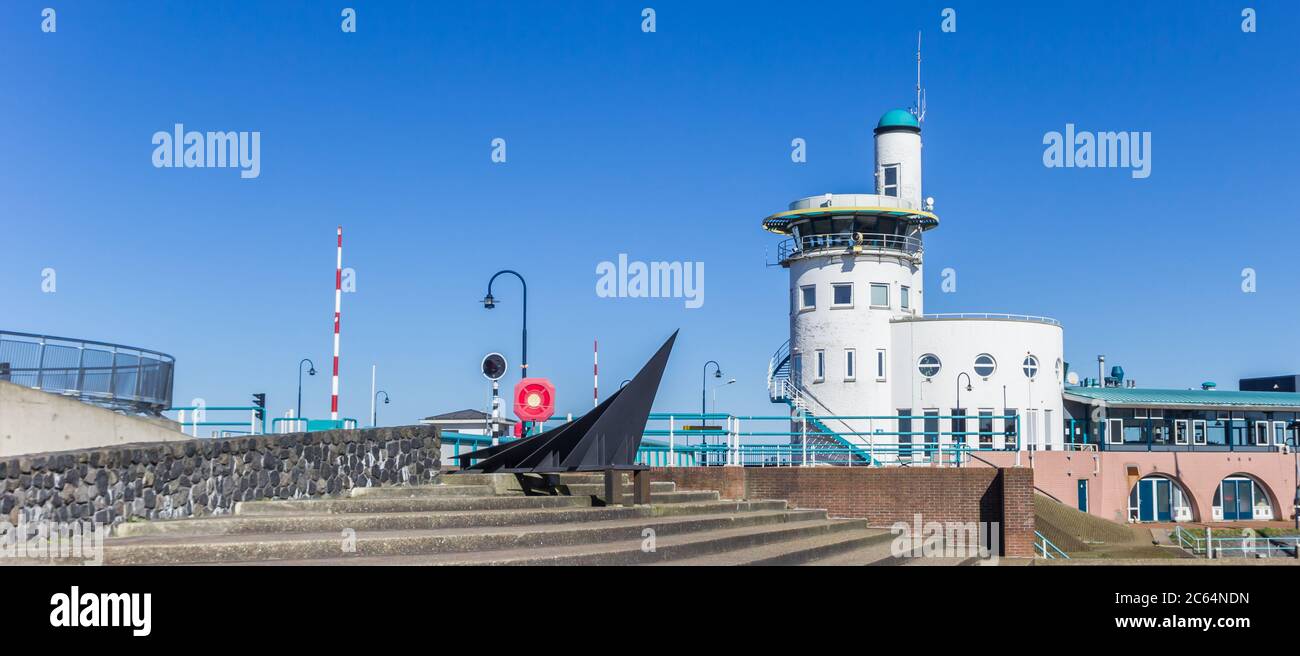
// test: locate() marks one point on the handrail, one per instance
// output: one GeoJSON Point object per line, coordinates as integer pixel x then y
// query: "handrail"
{"type": "Point", "coordinates": [854, 241]}
{"type": "Point", "coordinates": [1043, 544]}
{"type": "Point", "coordinates": [115, 376]}
{"type": "Point", "coordinates": [944, 316]}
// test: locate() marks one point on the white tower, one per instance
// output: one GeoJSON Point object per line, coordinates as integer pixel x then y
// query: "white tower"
{"type": "Point", "coordinates": [855, 263]}
{"type": "Point", "coordinates": [878, 380]}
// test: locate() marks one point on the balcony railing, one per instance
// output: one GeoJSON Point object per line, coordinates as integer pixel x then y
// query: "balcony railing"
{"type": "Point", "coordinates": [849, 242]}
{"type": "Point", "coordinates": [985, 315]}
{"type": "Point", "coordinates": [109, 375]}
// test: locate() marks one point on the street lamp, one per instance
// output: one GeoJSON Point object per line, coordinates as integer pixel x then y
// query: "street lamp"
{"type": "Point", "coordinates": [961, 409]}
{"type": "Point", "coordinates": [704, 378]}
{"type": "Point", "coordinates": [309, 373]}
{"type": "Point", "coordinates": [374, 414]}
{"type": "Point", "coordinates": [1295, 455]}
{"type": "Point", "coordinates": [489, 302]}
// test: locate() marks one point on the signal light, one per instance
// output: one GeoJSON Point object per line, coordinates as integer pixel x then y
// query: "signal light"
{"type": "Point", "coordinates": [259, 400]}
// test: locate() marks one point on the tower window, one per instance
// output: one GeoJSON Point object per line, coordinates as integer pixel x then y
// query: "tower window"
{"type": "Point", "coordinates": [880, 365]}
{"type": "Point", "coordinates": [929, 365]}
{"type": "Point", "coordinates": [985, 365]}
{"type": "Point", "coordinates": [807, 297]}
{"type": "Point", "coordinates": [842, 294]}
{"type": "Point", "coordinates": [1030, 366]}
{"type": "Point", "coordinates": [879, 295]}
{"type": "Point", "coordinates": [820, 374]}
{"type": "Point", "coordinates": [905, 297]}
{"type": "Point", "coordinates": [890, 183]}
{"type": "Point", "coordinates": [850, 364]}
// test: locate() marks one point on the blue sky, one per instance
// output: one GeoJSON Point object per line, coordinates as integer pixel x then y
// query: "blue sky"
{"type": "Point", "coordinates": [665, 146]}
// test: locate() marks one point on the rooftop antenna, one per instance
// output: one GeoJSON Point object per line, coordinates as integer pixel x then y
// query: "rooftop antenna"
{"type": "Point", "coordinates": [918, 110]}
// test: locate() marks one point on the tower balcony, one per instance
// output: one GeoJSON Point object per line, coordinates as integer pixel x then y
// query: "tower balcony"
{"type": "Point", "coordinates": [848, 243]}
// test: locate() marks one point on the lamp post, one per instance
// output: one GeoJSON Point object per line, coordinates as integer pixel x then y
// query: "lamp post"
{"type": "Point", "coordinates": [964, 428]}
{"type": "Point", "coordinates": [489, 302]}
{"type": "Point", "coordinates": [1295, 455]}
{"type": "Point", "coordinates": [312, 372]}
{"type": "Point", "coordinates": [704, 378]}
{"type": "Point", "coordinates": [374, 414]}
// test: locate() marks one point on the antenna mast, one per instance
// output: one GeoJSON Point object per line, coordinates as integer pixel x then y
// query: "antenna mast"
{"type": "Point", "coordinates": [918, 110]}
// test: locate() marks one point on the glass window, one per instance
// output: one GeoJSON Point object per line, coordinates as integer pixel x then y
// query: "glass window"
{"type": "Point", "coordinates": [1010, 425]}
{"type": "Point", "coordinates": [807, 297]}
{"type": "Point", "coordinates": [1180, 431]}
{"type": "Point", "coordinates": [1030, 366]}
{"type": "Point", "coordinates": [879, 295]}
{"type": "Point", "coordinates": [985, 365]}
{"type": "Point", "coordinates": [797, 367]}
{"type": "Point", "coordinates": [850, 364]}
{"type": "Point", "coordinates": [890, 183]}
{"type": "Point", "coordinates": [905, 297]}
{"type": "Point", "coordinates": [905, 433]}
{"type": "Point", "coordinates": [880, 364]}
{"type": "Point", "coordinates": [959, 425]}
{"type": "Point", "coordinates": [986, 428]}
{"type": "Point", "coordinates": [821, 366]}
{"type": "Point", "coordinates": [842, 294]}
{"type": "Point", "coordinates": [929, 365]}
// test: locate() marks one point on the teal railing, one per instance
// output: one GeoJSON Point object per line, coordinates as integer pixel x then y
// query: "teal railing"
{"type": "Point", "coordinates": [1047, 549]}
{"type": "Point", "coordinates": [1248, 545]}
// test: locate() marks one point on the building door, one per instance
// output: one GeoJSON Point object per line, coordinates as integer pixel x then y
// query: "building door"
{"type": "Point", "coordinates": [1155, 500]}
{"type": "Point", "coordinates": [1237, 498]}
{"type": "Point", "coordinates": [1083, 494]}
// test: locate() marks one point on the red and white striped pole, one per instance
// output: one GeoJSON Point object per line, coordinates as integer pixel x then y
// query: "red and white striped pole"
{"type": "Point", "coordinates": [338, 303]}
{"type": "Point", "coordinates": [595, 373]}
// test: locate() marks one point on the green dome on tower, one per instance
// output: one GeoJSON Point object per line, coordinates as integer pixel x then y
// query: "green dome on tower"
{"type": "Point", "coordinates": [896, 119]}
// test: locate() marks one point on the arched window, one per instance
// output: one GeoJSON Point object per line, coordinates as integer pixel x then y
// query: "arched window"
{"type": "Point", "coordinates": [1241, 498]}
{"type": "Point", "coordinates": [985, 365]}
{"type": "Point", "coordinates": [1030, 366]}
{"type": "Point", "coordinates": [1158, 499]}
{"type": "Point", "coordinates": [929, 365]}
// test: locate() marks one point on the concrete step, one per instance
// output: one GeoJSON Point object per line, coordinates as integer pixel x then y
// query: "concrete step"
{"type": "Point", "coordinates": [305, 546]}
{"type": "Point", "coordinates": [412, 491]}
{"type": "Point", "coordinates": [426, 504]}
{"type": "Point", "coordinates": [794, 552]}
{"type": "Point", "coordinates": [877, 553]}
{"type": "Point", "coordinates": [390, 521]}
{"type": "Point", "coordinates": [598, 489]}
{"type": "Point", "coordinates": [623, 552]}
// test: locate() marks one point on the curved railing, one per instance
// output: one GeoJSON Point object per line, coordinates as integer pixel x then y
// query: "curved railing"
{"type": "Point", "coordinates": [849, 242]}
{"type": "Point", "coordinates": [114, 376]}
{"type": "Point", "coordinates": [987, 315]}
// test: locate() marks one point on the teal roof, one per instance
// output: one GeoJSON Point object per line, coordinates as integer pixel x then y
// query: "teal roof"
{"type": "Point", "coordinates": [1192, 398]}
{"type": "Point", "coordinates": [898, 118]}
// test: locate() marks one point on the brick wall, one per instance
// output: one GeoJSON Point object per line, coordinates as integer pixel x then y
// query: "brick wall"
{"type": "Point", "coordinates": [884, 496]}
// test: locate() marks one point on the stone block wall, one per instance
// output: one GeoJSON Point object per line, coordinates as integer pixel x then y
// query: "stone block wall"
{"type": "Point", "coordinates": [199, 477]}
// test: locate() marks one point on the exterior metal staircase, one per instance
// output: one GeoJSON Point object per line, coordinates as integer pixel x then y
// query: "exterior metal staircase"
{"type": "Point", "coordinates": [782, 388]}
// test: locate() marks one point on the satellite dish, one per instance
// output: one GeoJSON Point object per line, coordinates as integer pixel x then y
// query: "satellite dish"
{"type": "Point", "coordinates": [493, 366]}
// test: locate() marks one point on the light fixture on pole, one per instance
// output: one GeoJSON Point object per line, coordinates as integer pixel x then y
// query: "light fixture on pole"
{"type": "Point", "coordinates": [490, 302]}
{"type": "Point", "coordinates": [312, 372]}
{"type": "Point", "coordinates": [374, 414]}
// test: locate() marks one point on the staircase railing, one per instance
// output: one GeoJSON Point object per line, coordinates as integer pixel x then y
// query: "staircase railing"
{"type": "Point", "coordinates": [1046, 549]}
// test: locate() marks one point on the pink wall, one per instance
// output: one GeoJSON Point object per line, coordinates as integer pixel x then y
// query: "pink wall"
{"type": "Point", "coordinates": [1058, 472]}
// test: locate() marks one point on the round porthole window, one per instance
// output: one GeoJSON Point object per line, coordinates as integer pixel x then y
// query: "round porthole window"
{"type": "Point", "coordinates": [1031, 366]}
{"type": "Point", "coordinates": [985, 365]}
{"type": "Point", "coordinates": [929, 365]}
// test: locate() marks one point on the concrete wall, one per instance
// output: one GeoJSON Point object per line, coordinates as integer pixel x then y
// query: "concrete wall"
{"type": "Point", "coordinates": [200, 477]}
{"type": "Point", "coordinates": [884, 496]}
{"type": "Point", "coordinates": [1109, 481]}
{"type": "Point", "coordinates": [32, 421]}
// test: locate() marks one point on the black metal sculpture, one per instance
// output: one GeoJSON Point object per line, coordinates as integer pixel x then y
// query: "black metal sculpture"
{"type": "Point", "coordinates": [604, 439]}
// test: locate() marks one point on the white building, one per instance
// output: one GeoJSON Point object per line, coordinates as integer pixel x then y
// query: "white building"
{"type": "Point", "coordinates": [875, 373]}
